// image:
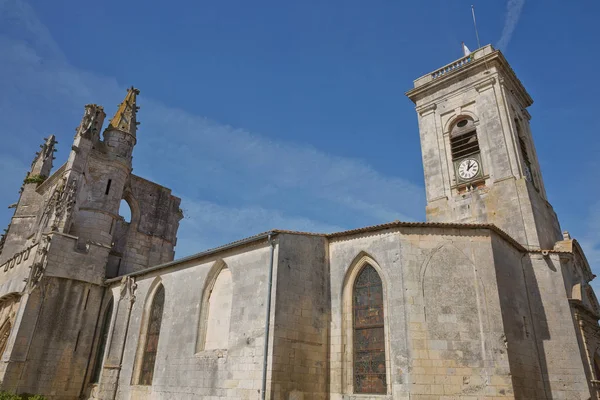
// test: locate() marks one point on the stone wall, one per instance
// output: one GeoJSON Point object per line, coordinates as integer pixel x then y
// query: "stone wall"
{"type": "Point", "coordinates": [300, 359]}
{"type": "Point", "coordinates": [445, 303]}
{"type": "Point", "coordinates": [468, 313]}
{"type": "Point", "coordinates": [522, 338]}
{"type": "Point", "coordinates": [51, 353]}
{"type": "Point", "coordinates": [151, 236]}
{"type": "Point", "coordinates": [554, 325]}
{"type": "Point", "coordinates": [346, 257]}
{"type": "Point", "coordinates": [181, 370]}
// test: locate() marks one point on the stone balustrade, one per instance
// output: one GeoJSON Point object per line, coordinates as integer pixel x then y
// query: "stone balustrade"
{"type": "Point", "coordinates": [452, 67]}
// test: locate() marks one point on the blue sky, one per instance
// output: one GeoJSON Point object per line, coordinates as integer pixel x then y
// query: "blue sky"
{"type": "Point", "coordinates": [292, 115]}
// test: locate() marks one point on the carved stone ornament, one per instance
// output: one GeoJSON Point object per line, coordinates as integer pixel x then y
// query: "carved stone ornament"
{"type": "Point", "coordinates": [60, 205]}
{"type": "Point", "coordinates": [39, 265]}
{"type": "Point", "coordinates": [51, 205]}
{"type": "Point", "coordinates": [89, 122]}
{"type": "Point", "coordinates": [46, 152]}
{"type": "Point", "coordinates": [128, 287]}
{"type": "Point", "coordinates": [64, 205]}
{"type": "Point", "coordinates": [592, 299]}
{"type": "Point", "coordinates": [3, 238]}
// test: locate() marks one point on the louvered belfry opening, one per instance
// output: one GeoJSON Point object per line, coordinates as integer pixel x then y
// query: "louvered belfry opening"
{"type": "Point", "coordinates": [522, 144]}
{"type": "Point", "coordinates": [524, 151]}
{"type": "Point", "coordinates": [463, 140]}
{"type": "Point", "coordinates": [529, 174]}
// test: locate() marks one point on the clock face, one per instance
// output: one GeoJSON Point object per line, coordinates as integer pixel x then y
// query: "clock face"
{"type": "Point", "coordinates": [468, 168]}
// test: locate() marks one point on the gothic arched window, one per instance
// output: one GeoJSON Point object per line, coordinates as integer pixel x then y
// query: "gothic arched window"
{"type": "Point", "coordinates": [152, 334]}
{"type": "Point", "coordinates": [369, 337]}
{"type": "Point", "coordinates": [4, 334]}
{"type": "Point", "coordinates": [215, 314]}
{"type": "Point", "coordinates": [102, 343]}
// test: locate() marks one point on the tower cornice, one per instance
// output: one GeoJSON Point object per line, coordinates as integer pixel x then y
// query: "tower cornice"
{"type": "Point", "coordinates": [485, 58]}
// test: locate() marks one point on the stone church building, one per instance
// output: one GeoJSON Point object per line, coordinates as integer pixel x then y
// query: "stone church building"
{"type": "Point", "coordinates": [488, 299]}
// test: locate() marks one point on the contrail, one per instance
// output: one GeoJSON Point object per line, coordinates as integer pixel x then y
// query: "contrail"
{"type": "Point", "coordinates": [513, 12]}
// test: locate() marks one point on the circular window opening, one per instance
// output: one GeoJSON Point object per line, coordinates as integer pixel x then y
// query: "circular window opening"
{"type": "Point", "coordinates": [462, 123]}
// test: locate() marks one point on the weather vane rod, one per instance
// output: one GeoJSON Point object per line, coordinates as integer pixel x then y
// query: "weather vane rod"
{"type": "Point", "coordinates": [475, 24]}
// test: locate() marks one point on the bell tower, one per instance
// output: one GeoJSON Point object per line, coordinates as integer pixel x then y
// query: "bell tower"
{"type": "Point", "coordinates": [478, 154]}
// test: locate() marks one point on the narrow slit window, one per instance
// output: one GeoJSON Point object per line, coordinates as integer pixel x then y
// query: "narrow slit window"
{"type": "Point", "coordinates": [108, 186]}
{"type": "Point", "coordinates": [76, 342]}
{"type": "Point", "coordinates": [85, 302]}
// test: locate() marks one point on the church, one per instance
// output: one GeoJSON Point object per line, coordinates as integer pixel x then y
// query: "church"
{"type": "Point", "coordinates": [487, 299]}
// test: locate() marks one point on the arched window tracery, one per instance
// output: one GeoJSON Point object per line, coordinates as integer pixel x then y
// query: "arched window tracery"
{"type": "Point", "coordinates": [152, 335]}
{"type": "Point", "coordinates": [369, 360]}
{"type": "Point", "coordinates": [4, 334]}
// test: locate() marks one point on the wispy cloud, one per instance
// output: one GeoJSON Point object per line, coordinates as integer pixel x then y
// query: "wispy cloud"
{"type": "Point", "coordinates": [233, 182]}
{"type": "Point", "coordinates": [513, 13]}
{"type": "Point", "coordinates": [208, 224]}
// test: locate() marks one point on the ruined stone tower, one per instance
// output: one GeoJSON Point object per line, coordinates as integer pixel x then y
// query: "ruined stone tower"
{"type": "Point", "coordinates": [65, 238]}
{"type": "Point", "coordinates": [478, 154]}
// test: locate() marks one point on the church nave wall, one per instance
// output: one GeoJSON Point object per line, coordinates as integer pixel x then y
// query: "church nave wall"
{"type": "Point", "coordinates": [183, 368]}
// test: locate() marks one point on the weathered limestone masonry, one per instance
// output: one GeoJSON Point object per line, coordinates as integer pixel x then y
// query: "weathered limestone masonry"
{"type": "Point", "coordinates": [483, 89]}
{"type": "Point", "coordinates": [464, 317]}
{"type": "Point", "coordinates": [486, 300]}
{"type": "Point", "coordinates": [65, 238]}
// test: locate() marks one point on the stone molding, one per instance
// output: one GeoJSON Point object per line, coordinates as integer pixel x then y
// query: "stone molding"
{"type": "Point", "coordinates": [426, 109]}
{"type": "Point", "coordinates": [485, 84]}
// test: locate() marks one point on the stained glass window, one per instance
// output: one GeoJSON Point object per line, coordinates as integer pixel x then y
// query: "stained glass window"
{"type": "Point", "coordinates": [153, 332]}
{"type": "Point", "coordinates": [102, 343]}
{"type": "Point", "coordinates": [369, 340]}
{"type": "Point", "coordinates": [4, 334]}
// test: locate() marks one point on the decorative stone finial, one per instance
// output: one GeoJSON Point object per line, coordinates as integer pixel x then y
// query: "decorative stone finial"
{"type": "Point", "coordinates": [42, 163]}
{"type": "Point", "coordinates": [92, 120]}
{"type": "Point", "coordinates": [566, 235]}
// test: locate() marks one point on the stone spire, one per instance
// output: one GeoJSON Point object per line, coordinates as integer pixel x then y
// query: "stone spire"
{"type": "Point", "coordinates": [125, 117]}
{"type": "Point", "coordinates": [92, 121]}
{"type": "Point", "coordinates": [42, 163]}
